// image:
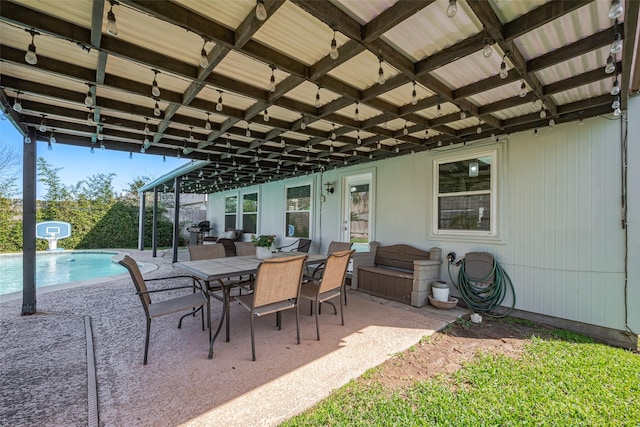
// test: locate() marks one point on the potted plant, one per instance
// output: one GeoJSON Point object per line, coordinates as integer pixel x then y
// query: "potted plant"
{"type": "Point", "coordinates": [263, 245]}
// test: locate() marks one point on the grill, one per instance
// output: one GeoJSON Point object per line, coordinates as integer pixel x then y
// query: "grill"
{"type": "Point", "coordinates": [197, 232]}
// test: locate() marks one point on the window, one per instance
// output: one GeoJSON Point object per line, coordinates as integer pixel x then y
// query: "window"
{"type": "Point", "coordinates": [250, 213]}
{"type": "Point", "coordinates": [230, 212]}
{"type": "Point", "coordinates": [465, 195]}
{"type": "Point", "coordinates": [298, 211]}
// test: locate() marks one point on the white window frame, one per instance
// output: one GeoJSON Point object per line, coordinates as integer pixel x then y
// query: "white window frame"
{"type": "Point", "coordinates": [242, 213]}
{"type": "Point", "coordinates": [310, 211]}
{"type": "Point", "coordinates": [229, 214]}
{"type": "Point", "coordinates": [496, 165]}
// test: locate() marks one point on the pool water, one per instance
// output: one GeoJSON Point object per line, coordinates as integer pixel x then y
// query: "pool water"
{"type": "Point", "coordinates": [58, 267]}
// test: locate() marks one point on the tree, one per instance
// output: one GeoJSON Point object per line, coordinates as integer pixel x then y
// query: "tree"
{"type": "Point", "coordinates": [97, 187]}
{"type": "Point", "coordinates": [56, 190]}
{"type": "Point", "coordinates": [9, 167]}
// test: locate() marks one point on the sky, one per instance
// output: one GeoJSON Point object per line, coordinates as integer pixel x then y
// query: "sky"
{"type": "Point", "coordinates": [78, 163]}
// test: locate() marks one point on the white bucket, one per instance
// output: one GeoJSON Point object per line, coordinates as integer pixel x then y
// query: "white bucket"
{"type": "Point", "coordinates": [440, 291]}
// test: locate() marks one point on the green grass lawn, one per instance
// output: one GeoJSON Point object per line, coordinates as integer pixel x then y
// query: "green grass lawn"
{"type": "Point", "coordinates": [565, 381]}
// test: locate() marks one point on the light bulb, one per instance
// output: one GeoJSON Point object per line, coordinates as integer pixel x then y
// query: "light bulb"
{"type": "Point", "coordinates": [207, 124]}
{"type": "Point", "coordinates": [439, 111]}
{"type": "Point", "coordinates": [272, 83]}
{"type": "Point", "coordinates": [381, 79]}
{"type": "Point", "coordinates": [164, 159]}
{"type": "Point", "coordinates": [143, 150]}
{"type": "Point", "coordinates": [504, 73]}
{"type": "Point", "coordinates": [49, 146]}
{"type": "Point", "coordinates": [486, 49]}
{"type": "Point", "coordinates": [147, 131]}
{"type": "Point", "coordinates": [90, 121]}
{"type": "Point", "coordinates": [616, 9]}
{"type": "Point", "coordinates": [580, 122]}
{"type": "Point", "coordinates": [156, 110]}
{"type": "Point", "coordinates": [261, 11]}
{"type": "Point", "coordinates": [147, 143]}
{"type": "Point", "coordinates": [88, 100]}
{"type": "Point", "coordinates": [112, 27]}
{"type": "Point", "coordinates": [535, 132]}
{"type": "Point", "coordinates": [552, 122]}
{"type": "Point", "coordinates": [31, 56]}
{"type": "Point", "coordinates": [543, 113]}
{"type": "Point", "coordinates": [52, 138]}
{"type": "Point", "coordinates": [615, 90]}
{"type": "Point", "coordinates": [265, 117]}
{"type": "Point", "coordinates": [617, 112]}
{"type": "Point", "coordinates": [219, 105]}
{"type": "Point", "coordinates": [616, 46]}
{"type": "Point", "coordinates": [155, 90]}
{"type": "Point", "coordinates": [611, 66]}
{"type": "Point", "coordinates": [27, 139]}
{"type": "Point", "coordinates": [523, 90]}
{"type": "Point", "coordinates": [356, 115]}
{"type": "Point", "coordinates": [248, 132]}
{"type": "Point", "coordinates": [317, 103]}
{"type": "Point", "coordinates": [333, 54]}
{"type": "Point", "coordinates": [130, 155]}
{"type": "Point", "coordinates": [17, 105]}
{"type": "Point", "coordinates": [616, 103]}
{"type": "Point", "coordinates": [405, 131]}
{"type": "Point", "coordinates": [204, 61]}
{"type": "Point", "coordinates": [452, 9]}
{"type": "Point", "coordinates": [100, 136]}
{"type": "Point", "coordinates": [414, 97]}
{"type": "Point", "coordinates": [463, 115]}
{"type": "Point", "coordinates": [303, 124]}
{"type": "Point", "coordinates": [43, 126]}
{"type": "Point", "coordinates": [479, 129]}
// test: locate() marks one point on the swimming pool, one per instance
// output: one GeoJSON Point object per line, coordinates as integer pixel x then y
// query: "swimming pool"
{"type": "Point", "coordinates": [53, 268]}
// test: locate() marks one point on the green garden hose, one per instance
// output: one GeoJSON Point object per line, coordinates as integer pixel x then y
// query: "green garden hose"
{"type": "Point", "coordinates": [486, 294]}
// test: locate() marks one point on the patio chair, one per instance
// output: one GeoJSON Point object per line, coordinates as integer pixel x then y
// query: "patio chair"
{"type": "Point", "coordinates": [334, 246]}
{"type": "Point", "coordinates": [176, 304]}
{"type": "Point", "coordinates": [245, 248]}
{"type": "Point", "coordinates": [277, 288]}
{"type": "Point", "coordinates": [329, 286]}
{"type": "Point", "coordinates": [303, 245]}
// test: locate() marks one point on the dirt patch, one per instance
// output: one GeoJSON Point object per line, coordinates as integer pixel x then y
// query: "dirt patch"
{"type": "Point", "coordinates": [446, 351]}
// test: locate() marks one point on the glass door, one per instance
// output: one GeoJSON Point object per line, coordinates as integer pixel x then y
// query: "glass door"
{"type": "Point", "coordinates": [357, 217]}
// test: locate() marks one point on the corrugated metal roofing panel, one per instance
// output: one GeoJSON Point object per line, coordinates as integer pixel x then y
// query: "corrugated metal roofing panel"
{"type": "Point", "coordinates": [36, 75]}
{"type": "Point", "coordinates": [229, 99]}
{"type": "Point", "coordinates": [430, 30]}
{"type": "Point", "coordinates": [361, 71]}
{"type": "Point", "coordinates": [503, 92]}
{"type": "Point", "coordinates": [363, 11]}
{"type": "Point", "coordinates": [142, 74]}
{"type": "Point", "coordinates": [469, 69]}
{"type": "Point", "coordinates": [590, 61]}
{"type": "Point", "coordinates": [229, 13]}
{"type": "Point", "coordinates": [583, 92]}
{"type": "Point", "coordinates": [245, 69]}
{"type": "Point", "coordinates": [306, 92]}
{"type": "Point", "coordinates": [508, 10]}
{"type": "Point", "coordinates": [77, 12]}
{"type": "Point", "coordinates": [402, 94]}
{"type": "Point", "coordinates": [364, 111]}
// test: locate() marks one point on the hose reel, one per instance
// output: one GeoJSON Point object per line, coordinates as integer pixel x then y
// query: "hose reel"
{"type": "Point", "coordinates": [482, 283]}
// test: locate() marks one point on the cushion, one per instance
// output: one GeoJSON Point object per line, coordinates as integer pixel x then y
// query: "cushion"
{"type": "Point", "coordinates": [388, 272]}
{"type": "Point", "coordinates": [227, 235]}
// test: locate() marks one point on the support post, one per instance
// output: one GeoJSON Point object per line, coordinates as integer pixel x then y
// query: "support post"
{"type": "Point", "coordinates": [154, 227]}
{"type": "Point", "coordinates": [176, 218]}
{"type": "Point", "coordinates": [141, 222]}
{"type": "Point", "coordinates": [29, 225]}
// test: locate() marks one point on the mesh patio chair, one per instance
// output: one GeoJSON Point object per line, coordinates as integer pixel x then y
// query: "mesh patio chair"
{"type": "Point", "coordinates": [192, 301]}
{"type": "Point", "coordinates": [317, 271]}
{"type": "Point", "coordinates": [302, 245]}
{"type": "Point", "coordinates": [329, 286]}
{"type": "Point", "coordinates": [277, 288]}
{"type": "Point", "coordinates": [245, 248]}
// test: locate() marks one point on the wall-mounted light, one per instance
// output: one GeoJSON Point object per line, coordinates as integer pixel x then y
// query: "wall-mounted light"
{"type": "Point", "coordinates": [329, 187]}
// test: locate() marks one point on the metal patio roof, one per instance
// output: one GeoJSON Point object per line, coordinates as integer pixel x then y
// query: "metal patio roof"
{"type": "Point", "coordinates": [226, 110]}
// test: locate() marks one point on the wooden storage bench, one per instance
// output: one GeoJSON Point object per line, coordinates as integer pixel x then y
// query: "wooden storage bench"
{"type": "Point", "coordinates": [398, 272]}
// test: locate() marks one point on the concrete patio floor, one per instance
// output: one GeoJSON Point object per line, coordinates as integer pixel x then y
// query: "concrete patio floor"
{"type": "Point", "coordinates": [45, 373]}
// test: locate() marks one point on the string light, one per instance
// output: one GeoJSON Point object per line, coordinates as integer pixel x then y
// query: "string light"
{"type": "Point", "coordinates": [463, 114]}
{"type": "Point", "coordinates": [204, 61]}
{"type": "Point", "coordinates": [191, 138]}
{"type": "Point", "coordinates": [333, 54]}
{"type": "Point", "coordinates": [523, 90]}
{"type": "Point", "coordinates": [219, 105]}
{"type": "Point", "coordinates": [112, 27]}
{"type": "Point", "coordinates": [43, 125]}
{"type": "Point", "coordinates": [247, 133]}
{"type": "Point", "coordinates": [381, 79]}
{"type": "Point", "coordinates": [611, 66]}
{"type": "Point", "coordinates": [504, 73]}
{"type": "Point", "coordinates": [414, 95]}
{"type": "Point", "coordinates": [486, 49]}
{"type": "Point", "coordinates": [207, 124]}
{"type": "Point", "coordinates": [405, 131]}
{"type": "Point", "coordinates": [90, 121]}
{"type": "Point", "coordinates": [616, 46]}
{"type": "Point", "coordinates": [30, 57]}
{"type": "Point", "coordinates": [261, 11]}
{"type": "Point", "coordinates": [130, 155]}
{"type": "Point", "coordinates": [303, 123]}
{"type": "Point", "coordinates": [27, 139]}
{"type": "Point", "coordinates": [317, 103]}
{"type": "Point", "coordinates": [272, 80]}
{"type": "Point", "coordinates": [52, 137]}
{"type": "Point", "coordinates": [156, 110]}
{"type": "Point", "coordinates": [358, 139]}
{"type": "Point", "coordinates": [17, 105]}
{"type": "Point", "coordinates": [452, 9]}
{"type": "Point", "coordinates": [49, 146]}
{"type": "Point", "coordinates": [439, 110]}
{"type": "Point", "coordinates": [479, 128]}
{"type": "Point", "coordinates": [88, 100]}
{"type": "Point", "coordinates": [155, 90]}
{"type": "Point", "coordinates": [356, 114]}
{"type": "Point", "coordinates": [616, 9]}
{"type": "Point", "coordinates": [265, 117]}
{"type": "Point", "coordinates": [552, 122]}
{"type": "Point", "coordinates": [333, 132]}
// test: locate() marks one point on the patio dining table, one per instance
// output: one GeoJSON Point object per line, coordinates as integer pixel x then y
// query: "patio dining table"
{"type": "Point", "coordinates": [223, 269]}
